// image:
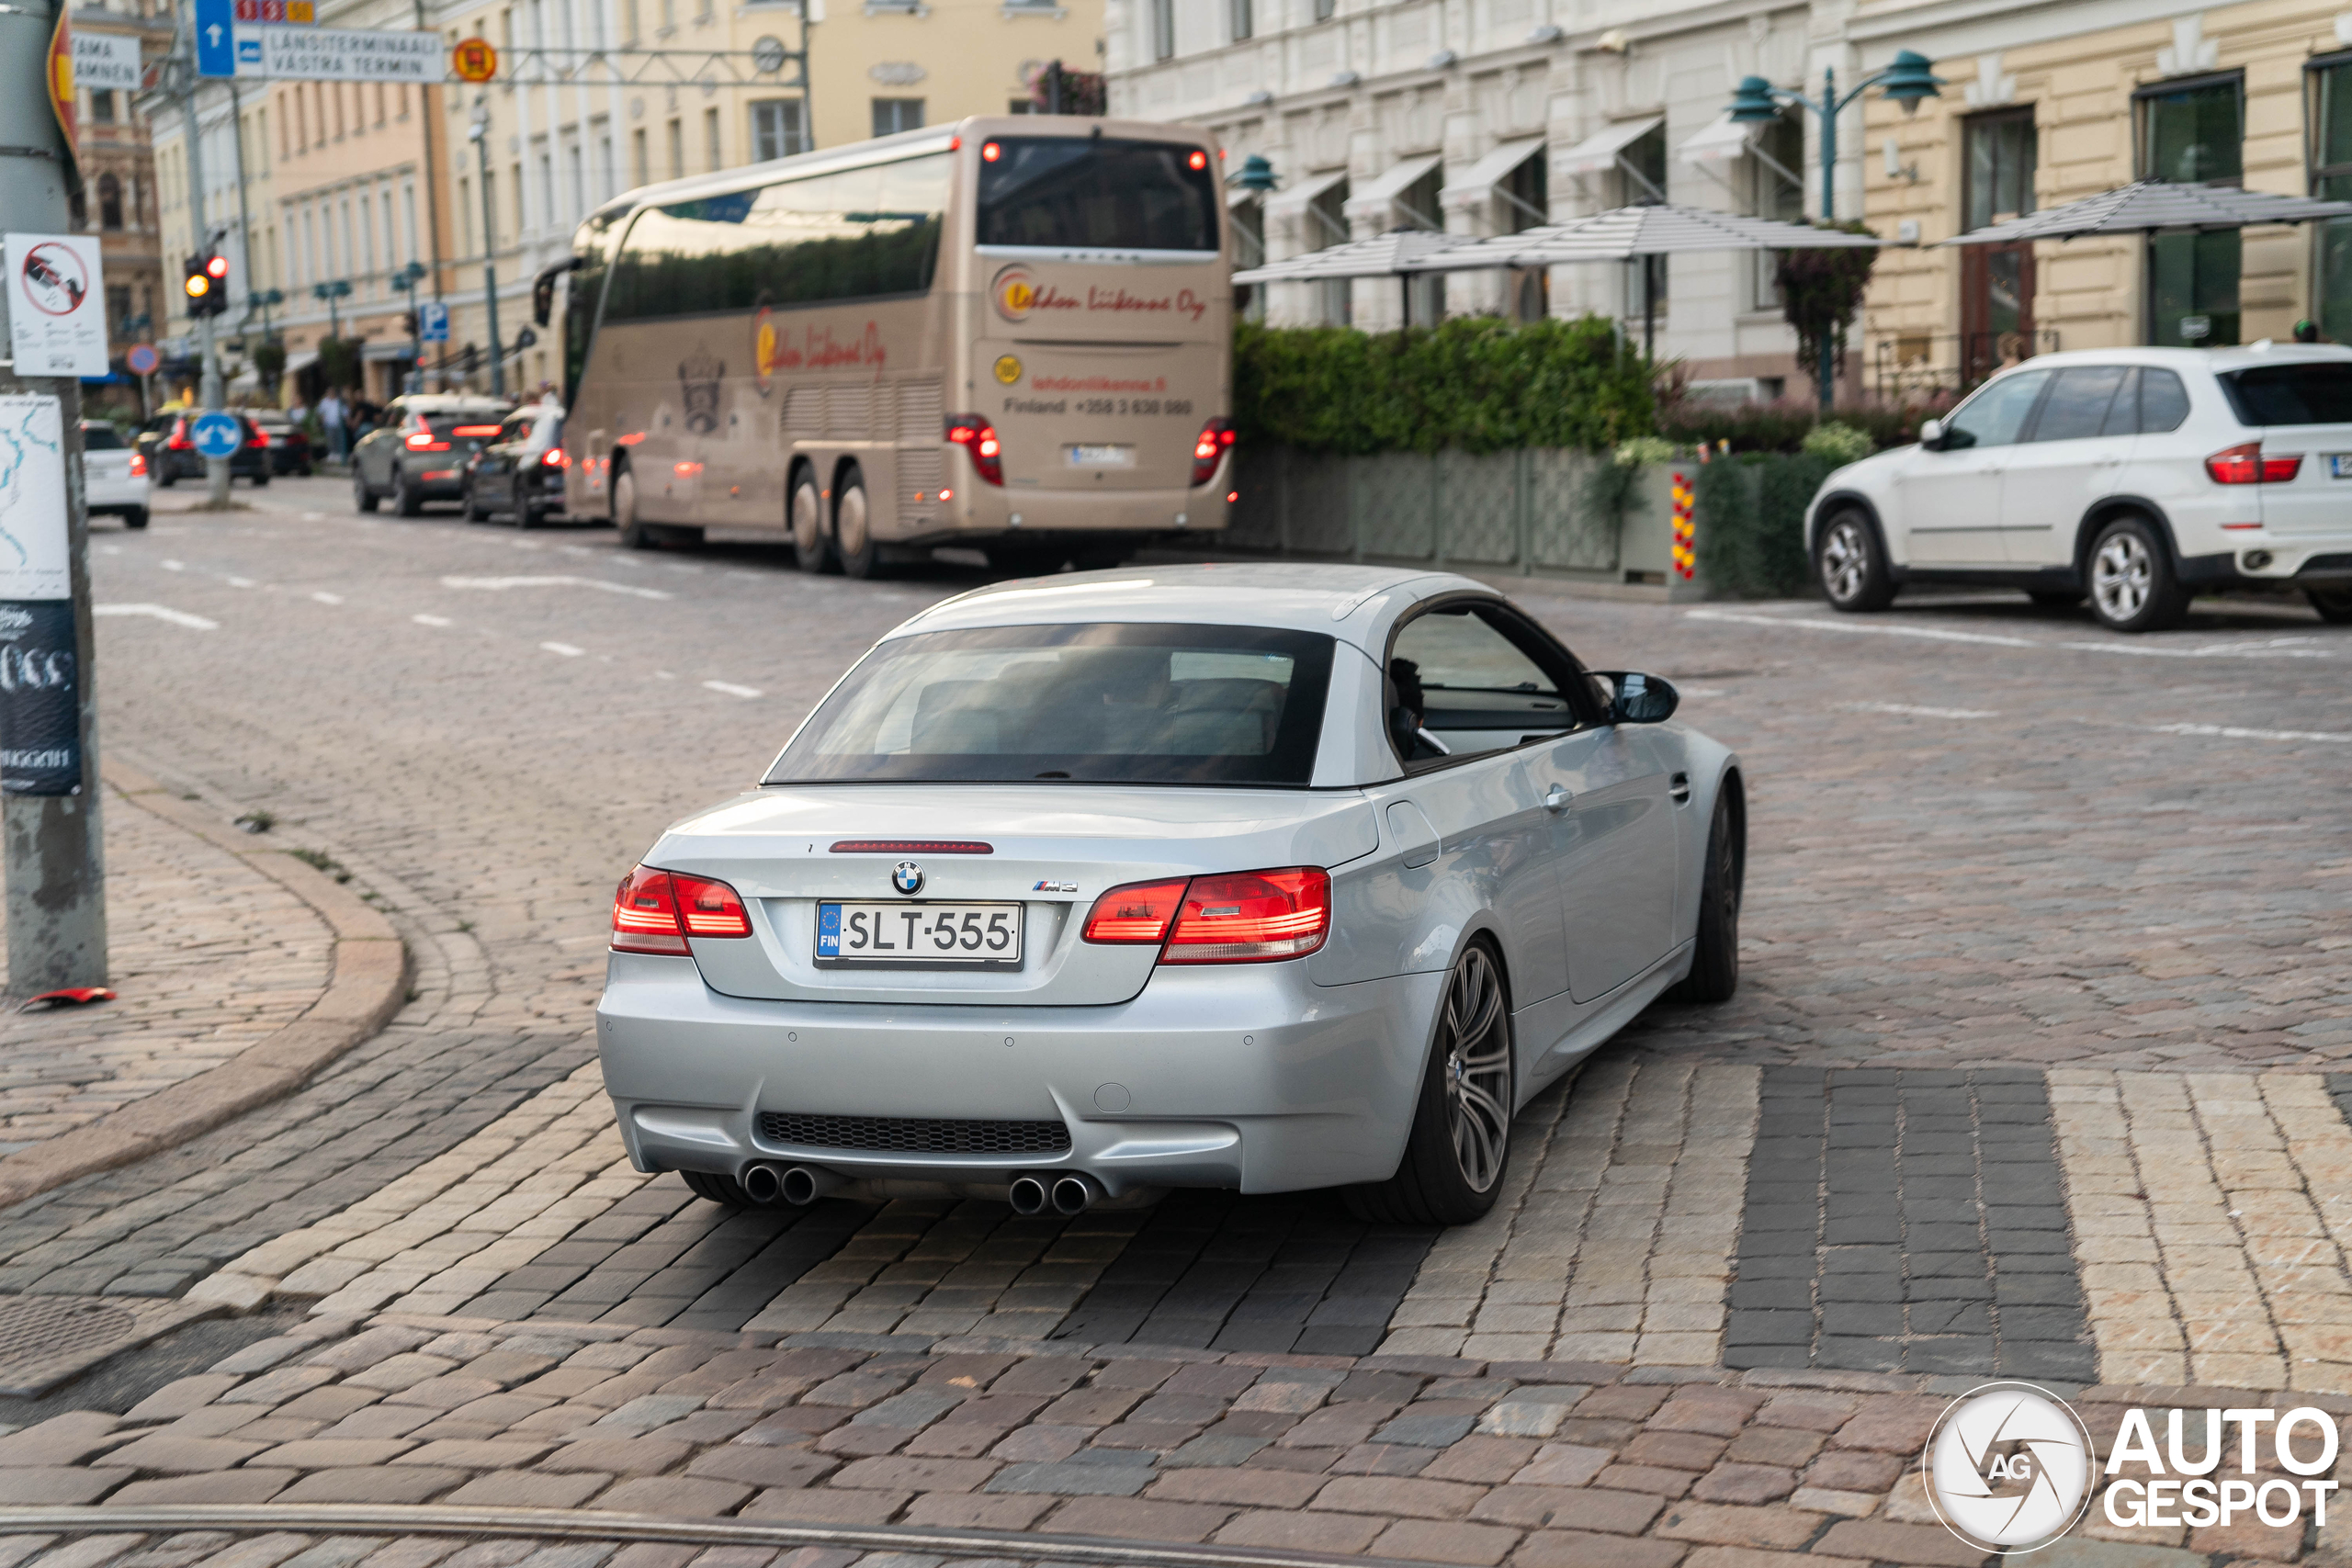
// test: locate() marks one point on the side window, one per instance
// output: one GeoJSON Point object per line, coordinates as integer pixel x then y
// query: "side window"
{"type": "Point", "coordinates": [2078, 402]}
{"type": "Point", "coordinates": [2164, 401]}
{"type": "Point", "coordinates": [1995, 415]}
{"type": "Point", "coordinates": [2123, 413]}
{"type": "Point", "coordinates": [1466, 678]}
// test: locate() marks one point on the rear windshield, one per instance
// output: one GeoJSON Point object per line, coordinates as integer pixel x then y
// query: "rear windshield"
{"type": "Point", "coordinates": [1086, 192]}
{"type": "Point", "coordinates": [2291, 394]}
{"type": "Point", "coordinates": [1088, 704]}
{"type": "Point", "coordinates": [100, 438]}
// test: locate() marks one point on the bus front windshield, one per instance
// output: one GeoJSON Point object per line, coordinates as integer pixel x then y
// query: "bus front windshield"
{"type": "Point", "coordinates": [1097, 193]}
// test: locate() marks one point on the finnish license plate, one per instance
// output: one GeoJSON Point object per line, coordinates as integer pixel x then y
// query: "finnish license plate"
{"type": "Point", "coordinates": [1083, 457]}
{"type": "Point", "coordinates": [2339, 464]}
{"type": "Point", "coordinates": [919, 936]}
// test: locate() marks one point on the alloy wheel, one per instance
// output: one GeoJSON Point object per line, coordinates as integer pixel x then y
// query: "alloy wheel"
{"type": "Point", "coordinates": [2123, 575]}
{"type": "Point", "coordinates": [1845, 561]}
{"type": "Point", "coordinates": [1475, 1039]}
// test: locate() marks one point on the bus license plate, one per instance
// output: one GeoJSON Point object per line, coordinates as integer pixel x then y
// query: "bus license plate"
{"type": "Point", "coordinates": [919, 936]}
{"type": "Point", "coordinates": [1101, 457]}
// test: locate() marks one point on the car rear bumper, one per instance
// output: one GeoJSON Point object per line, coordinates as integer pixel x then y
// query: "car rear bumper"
{"type": "Point", "coordinates": [1248, 1077]}
{"type": "Point", "coordinates": [115, 495]}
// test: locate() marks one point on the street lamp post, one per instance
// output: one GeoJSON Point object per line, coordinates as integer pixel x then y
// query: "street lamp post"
{"type": "Point", "coordinates": [406, 280]}
{"type": "Point", "coordinates": [330, 292]}
{"type": "Point", "coordinates": [1909, 78]}
{"type": "Point", "coordinates": [481, 134]}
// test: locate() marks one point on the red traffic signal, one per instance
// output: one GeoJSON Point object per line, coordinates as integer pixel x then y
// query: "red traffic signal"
{"type": "Point", "coordinates": [216, 266]}
{"type": "Point", "coordinates": [206, 284]}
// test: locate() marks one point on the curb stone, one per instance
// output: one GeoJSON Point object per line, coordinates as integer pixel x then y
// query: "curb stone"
{"type": "Point", "coordinates": [369, 970]}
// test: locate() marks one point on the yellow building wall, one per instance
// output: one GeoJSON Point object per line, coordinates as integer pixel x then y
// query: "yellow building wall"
{"type": "Point", "coordinates": [2091, 292]}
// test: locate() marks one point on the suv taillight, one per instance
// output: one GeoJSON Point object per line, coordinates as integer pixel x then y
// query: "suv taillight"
{"type": "Point", "coordinates": [260, 437]}
{"type": "Point", "coordinates": [1208, 449]}
{"type": "Point", "coordinates": [555, 457]}
{"type": "Point", "coordinates": [139, 464]}
{"type": "Point", "coordinates": [179, 441]}
{"type": "Point", "coordinates": [977, 435]}
{"type": "Point", "coordinates": [2245, 465]}
{"type": "Point", "coordinates": [655, 912]}
{"type": "Point", "coordinates": [1250, 917]}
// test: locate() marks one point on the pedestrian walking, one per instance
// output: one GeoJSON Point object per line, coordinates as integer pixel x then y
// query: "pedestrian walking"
{"type": "Point", "coordinates": [330, 415]}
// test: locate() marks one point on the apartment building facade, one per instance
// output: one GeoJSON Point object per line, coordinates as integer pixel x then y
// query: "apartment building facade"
{"type": "Point", "coordinates": [118, 201]}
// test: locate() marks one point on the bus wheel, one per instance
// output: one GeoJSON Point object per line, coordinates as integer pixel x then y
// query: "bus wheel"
{"type": "Point", "coordinates": [634, 533]}
{"type": "Point", "coordinates": [853, 528]}
{"type": "Point", "coordinates": [809, 546]}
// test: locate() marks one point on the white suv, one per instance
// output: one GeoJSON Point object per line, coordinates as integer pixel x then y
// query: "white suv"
{"type": "Point", "coordinates": [2137, 476]}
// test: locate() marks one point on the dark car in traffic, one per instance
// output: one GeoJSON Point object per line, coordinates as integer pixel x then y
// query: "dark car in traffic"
{"type": "Point", "coordinates": [420, 452]}
{"type": "Point", "coordinates": [172, 456]}
{"type": "Point", "coordinates": [290, 444]}
{"type": "Point", "coordinates": [522, 471]}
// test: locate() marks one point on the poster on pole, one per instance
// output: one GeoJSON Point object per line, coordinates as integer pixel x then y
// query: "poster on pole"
{"type": "Point", "coordinates": [106, 62]}
{"type": "Point", "coordinates": [341, 54]}
{"type": "Point", "coordinates": [57, 312]}
{"type": "Point", "coordinates": [40, 705]}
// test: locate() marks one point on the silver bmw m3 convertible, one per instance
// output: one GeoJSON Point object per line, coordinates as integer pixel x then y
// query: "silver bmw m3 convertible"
{"type": "Point", "coordinates": [1262, 877]}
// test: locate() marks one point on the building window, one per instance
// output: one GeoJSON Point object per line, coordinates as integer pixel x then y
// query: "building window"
{"type": "Point", "coordinates": [1163, 29]}
{"type": "Point", "coordinates": [1240, 21]}
{"type": "Point", "coordinates": [1776, 154]}
{"type": "Point", "coordinates": [1997, 282]}
{"type": "Point", "coordinates": [1022, 106]}
{"type": "Point", "coordinates": [1326, 9]}
{"type": "Point", "coordinates": [102, 107]}
{"type": "Point", "coordinates": [710, 139]}
{"type": "Point", "coordinates": [894, 115]}
{"type": "Point", "coordinates": [2194, 132]}
{"type": "Point", "coordinates": [2331, 179]}
{"type": "Point", "coordinates": [775, 129]}
{"type": "Point", "coordinates": [119, 309]}
{"type": "Point", "coordinates": [677, 149]}
{"type": "Point", "coordinates": [109, 202]}
{"type": "Point", "coordinates": [1327, 225]}
{"type": "Point", "coordinates": [637, 162]}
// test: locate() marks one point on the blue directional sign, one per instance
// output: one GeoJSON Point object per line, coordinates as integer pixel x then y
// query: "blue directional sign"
{"type": "Point", "coordinates": [433, 322]}
{"type": "Point", "coordinates": [216, 38]}
{"type": "Point", "coordinates": [216, 435]}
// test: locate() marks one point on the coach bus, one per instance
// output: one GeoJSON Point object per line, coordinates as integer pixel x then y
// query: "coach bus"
{"type": "Point", "coordinates": [1010, 333]}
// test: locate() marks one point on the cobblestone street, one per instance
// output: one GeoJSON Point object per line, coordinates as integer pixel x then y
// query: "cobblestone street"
{"type": "Point", "coordinates": [2039, 1068]}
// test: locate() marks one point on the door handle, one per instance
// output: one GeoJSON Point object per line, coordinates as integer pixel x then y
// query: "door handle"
{"type": "Point", "coordinates": [1557, 799]}
{"type": "Point", "coordinates": [1680, 788]}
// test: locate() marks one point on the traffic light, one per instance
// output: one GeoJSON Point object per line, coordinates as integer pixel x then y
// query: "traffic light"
{"type": "Point", "coordinates": [207, 284]}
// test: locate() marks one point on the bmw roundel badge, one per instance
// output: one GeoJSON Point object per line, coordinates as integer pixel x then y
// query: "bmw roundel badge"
{"type": "Point", "coordinates": [906, 877]}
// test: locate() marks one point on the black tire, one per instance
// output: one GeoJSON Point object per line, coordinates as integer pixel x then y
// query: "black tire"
{"type": "Point", "coordinates": [634, 533]}
{"type": "Point", "coordinates": [363, 498]}
{"type": "Point", "coordinates": [1714, 965]}
{"type": "Point", "coordinates": [135, 518]}
{"type": "Point", "coordinates": [1461, 1117]}
{"type": "Point", "coordinates": [2054, 598]}
{"type": "Point", "coordinates": [718, 1188]}
{"type": "Point", "coordinates": [528, 516]}
{"type": "Point", "coordinates": [260, 480]}
{"type": "Point", "coordinates": [471, 506]}
{"type": "Point", "coordinates": [1850, 562]}
{"type": "Point", "coordinates": [854, 540]}
{"type": "Point", "coordinates": [166, 475]}
{"type": "Point", "coordinates": [405, 501]}
{"type": "Point", "coordinates": [2333, 605]}
{"type": "Point", "coordinates": [2133, 585]}
{"type": "Point", "coordinates": [812, 546]}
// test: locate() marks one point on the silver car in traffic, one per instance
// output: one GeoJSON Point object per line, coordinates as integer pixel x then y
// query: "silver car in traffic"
{"type": "Point", "coordinates": [1261, 877]}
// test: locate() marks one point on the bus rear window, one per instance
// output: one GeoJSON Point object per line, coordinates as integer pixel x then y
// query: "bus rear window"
{"type": "Point", "coordinates": [2291, 394]}
{"type": "Point", "coordinates": [1096, 193]}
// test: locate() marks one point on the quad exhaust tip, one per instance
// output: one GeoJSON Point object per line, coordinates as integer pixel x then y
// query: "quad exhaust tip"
{"type": "Point", "coordinates": [1073, 1194]}
{"type": "Point", "coordinates": [1027, 1195]}
{"type": "Point", "coordinates": [798, 1185]}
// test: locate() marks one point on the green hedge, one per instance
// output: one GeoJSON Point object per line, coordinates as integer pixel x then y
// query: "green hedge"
{"type": "Point", "coordinates": [1748, 513]}
{"type": "Point", "coordinates": [1475, 384]}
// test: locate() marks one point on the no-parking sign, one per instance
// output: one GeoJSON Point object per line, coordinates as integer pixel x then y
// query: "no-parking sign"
{"type": "Point", "coordinates": [57, 312]}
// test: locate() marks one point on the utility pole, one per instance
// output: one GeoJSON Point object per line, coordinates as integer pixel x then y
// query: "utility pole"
{"type": "Point", "coordinates": [55, 858]}
{"type": "Point", "coordinates": [215, 469]}
{"type": "Point", "coordinates": [481, 134]}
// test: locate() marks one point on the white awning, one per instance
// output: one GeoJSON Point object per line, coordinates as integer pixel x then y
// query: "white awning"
{"type": "Point", "coordinates": [301, 359]}
{"type": "Point", "coordinates": [1720, 142]}
{"type": "Point", "coordinates": [376, 353]}
{"type": "Point", "coordinates": [1480, 180]}
{"type": "Point", "coordinates": [1380, 194]}
{"type": "Point", "coordinates": [1302, 194]}
{"type": "Point", "coordinates": [1598, 152]}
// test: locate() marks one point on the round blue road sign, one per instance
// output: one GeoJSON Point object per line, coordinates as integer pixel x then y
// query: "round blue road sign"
{"type": "Point", "coordinates": [217, 434]}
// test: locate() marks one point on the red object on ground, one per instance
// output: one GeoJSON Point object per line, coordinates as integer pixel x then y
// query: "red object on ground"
{"type": "Point", "coordinates": [72, 995]}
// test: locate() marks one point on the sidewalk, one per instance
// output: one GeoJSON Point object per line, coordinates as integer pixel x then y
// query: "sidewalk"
{"type": "Point", "coordinates": [238, 969]}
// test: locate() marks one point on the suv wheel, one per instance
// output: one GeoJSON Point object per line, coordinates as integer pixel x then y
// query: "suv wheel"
{"type": "Point", "coordinates": [1850, 566]}
{"type": "Point", "coordinates": [365, 499]}
{"type": "Point", "coordinates": [2333, 605]}
{"type": "Point", "coordinates": [404, 498]}
{"type": "Point", "coordinates": [2133, 585]}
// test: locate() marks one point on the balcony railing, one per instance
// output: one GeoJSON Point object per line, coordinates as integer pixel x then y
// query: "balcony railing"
{"type": "Point", "coordinates": [1907, 364]}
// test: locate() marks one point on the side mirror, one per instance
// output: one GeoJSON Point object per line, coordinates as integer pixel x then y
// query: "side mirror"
{"type": "Point", "coordinates": [1931, 435]}
{"type": "Point", "coordinates": [1640, 699]}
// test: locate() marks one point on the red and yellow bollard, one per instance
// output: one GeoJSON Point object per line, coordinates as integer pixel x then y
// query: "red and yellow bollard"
{"type": "Point", "coordinates": [1686, 553]}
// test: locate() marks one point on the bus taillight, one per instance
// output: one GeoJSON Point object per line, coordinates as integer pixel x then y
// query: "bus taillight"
{"type": "Point", "coordinates": [1215, 436]}
{"type": "Point", "coordinates": [977, 435]}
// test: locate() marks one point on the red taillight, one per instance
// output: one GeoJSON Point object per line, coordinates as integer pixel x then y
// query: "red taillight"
{"type": "Point", "coordinates": [137, 465]}
{"type": "Point", "coordinates": [1138, 913]}
{"type": "Point", "coordinates": [1208, 449]}
{"type": "Point", "coordinates": [179, 441]}
{"type": "Point", "coordinates": [261, 437]}
{"type": "Point", "coordinates": [556, 457]}
{"type": "Point", "coordinates": [2245, 465]}
{"type": "Point", "coordinates": [1250, 917]}
{"type": "Point", "coordinates": [475, 429]}
{"type": "Point", "coordinates": [977, 435]}
{"type": "Point", "coordinates": [422, 441]}
{"type": "Point", "coordinates": [912, 847]}
{"type": "Point", "coordinates": [655, 912]}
